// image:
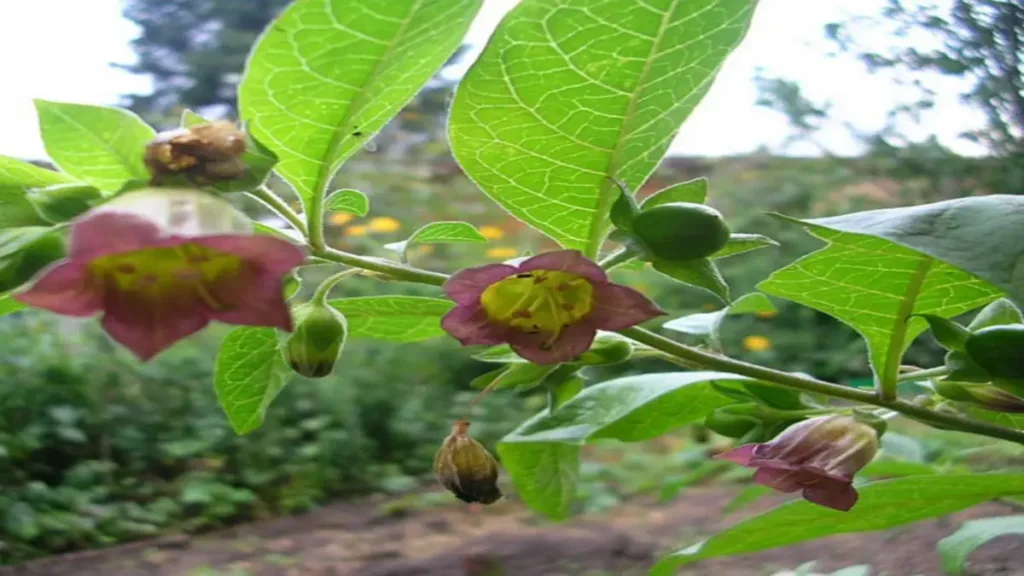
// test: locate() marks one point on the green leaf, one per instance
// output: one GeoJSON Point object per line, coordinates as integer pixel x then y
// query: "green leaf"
{"type": "Point", "coordinates": [258, 159]}
{"type": "Point", "coordinates": [542, 455]}
{"type": "Point", "coordinates": [393, 318]}
{"type": "Point", "coordinates": [956, 548]}
{"type": "Point", "coordinates": [949, 334]}
{"type": "Point", "coordinates": [881, 505]}
{"type": "Point", "coordinates": [624, 208]}
{"type": "Point", "coordinates": [903, 447]}
{"type": "Point", "coordinates": [16, 210]}
{"type": "Point", "coordinates": [983, 235]}
{"type": "Point", "coordinates": [9, 305]}
{"type": "Point", "coordinates": [439, 233]}
{"type": "Point", "coordinates": [998, 313]}
{"type": "Point", "coordinates": [700, 273]}
{"type": "Point", "coordinates": [694, 191]}
{"type": "Point", "coordinates": [741, 243]}
{"type": "Point", "coordinates": [749, 495]}
{"type": "Point", "coordinates": [21, 521]}
{"type": "Point", "coordinates": [14, 172]}
{"type": "Point", "coordinates": [249, 373]}
{"type": "Point", "coordinates": [349, 201]}
{"type": "Point", "coordinates": [707, 323]}
{"type": "Point", "coordinates": [889, 468]}
{"type": "Point", "coordinates": [288, 234]}
{"type": "Point", "coordinates": [328, 74]}
{"type": "Point", "coordinates": [99, 145]}
{"type": "Point", "coordinates": [874, 285]}
{"type": "Point", "coordinates": [518, 376]}
{"type": "Point", "coordinates": [571, 93]}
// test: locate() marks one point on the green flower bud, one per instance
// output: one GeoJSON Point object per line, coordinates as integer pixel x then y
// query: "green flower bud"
{"type": "Point", "coordinates": [21, 266]}
{"type": "Point", "coordinates": [316, 343]}
{"type": "Point", "coordinates": [999, 350]}
{"type": "Point", "coordinates": [608, 348]}
{"type": "Point", "coordinates": [991, 398]}
{"type": "Point", "coordinates": [63, 202]}
{"type": "Point", "coordinates": [681, 231]}
{"type": "Point", "coordinates": [466, 468]}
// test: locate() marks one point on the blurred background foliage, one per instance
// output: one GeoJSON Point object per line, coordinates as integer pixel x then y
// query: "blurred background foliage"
{"type": "Point", "coordinates": [96, 448]}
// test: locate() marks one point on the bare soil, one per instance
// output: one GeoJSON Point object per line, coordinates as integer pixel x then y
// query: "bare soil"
{"type": "Point", "coordinates": [506, 540]}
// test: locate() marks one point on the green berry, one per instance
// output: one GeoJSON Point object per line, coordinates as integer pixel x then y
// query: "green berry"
{"type": "Point", "coordinates": [681, 231]}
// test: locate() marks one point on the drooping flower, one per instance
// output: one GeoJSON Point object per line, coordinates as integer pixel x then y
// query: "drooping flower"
{"type": "Point", "coordinates": [161, 263]}
{"type": "Point", "coordinates": [466, 468]}
{"type": "Point", "coordinates": [548, 308]}
{"type": "Point", "coordinates": [818, 456]}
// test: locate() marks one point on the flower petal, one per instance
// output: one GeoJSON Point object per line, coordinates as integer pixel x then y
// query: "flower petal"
{"type": "Point", "coordinates": [572, 342]}
{"type": "Point", "coordinates": [783, 480]}
{"type": "Point", "coordinates": [111, 233]}
{"type": "Point", "coordinates": [274, 255]}
{"type": "Point", "coordinates": [466, 286]}
{"type": "Point", "coordinates": [741, 455]}
{"type": "Point", "coordinates": [253, 298]}
{"type": "Point", "coordinates": [147, 327]}
{"type": "Point", "coordinates": [832, 494]}
{"type": "Point", "coordinates": [571, 261]}
{"type": "Point", "coordinates": [470, 325]}
{"type": "Point", "coordinates": [63, 288]}
{"type": "Point", "coordinates": [617, 307]}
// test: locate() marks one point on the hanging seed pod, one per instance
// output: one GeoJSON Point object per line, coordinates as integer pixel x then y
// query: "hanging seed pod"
{"type": "Point", "coordinates": [466, 468]}
{"type": "Point", "coordinates": [203, 154]}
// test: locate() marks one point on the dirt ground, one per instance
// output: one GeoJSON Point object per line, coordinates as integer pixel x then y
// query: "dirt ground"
{"type": "Point", "coordinates": [505, 540]}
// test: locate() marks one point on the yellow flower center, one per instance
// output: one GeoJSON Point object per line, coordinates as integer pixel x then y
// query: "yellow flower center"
{"type": "Point", "coordinates": [154, 273]}
{"type": "Point", "coordinates": [540, 301]}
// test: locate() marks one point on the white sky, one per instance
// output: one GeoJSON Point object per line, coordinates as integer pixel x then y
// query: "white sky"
{"type": "Point", "coordinates": [62, 50]}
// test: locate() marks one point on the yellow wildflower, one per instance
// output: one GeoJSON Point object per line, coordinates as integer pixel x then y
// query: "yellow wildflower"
{"type": "Point", "coordinates": [384, 224]}
{"type": "Point", "coordinates": [341, 218]}
{"type": "Point", "coordinates": [359, 230]}
{"type": "Point", "coordinates": [422, 249]}
{"type": "Point", "coordinates": [767, 314]}
{"type": "Point", "coordinates": [757, 343]}
{"type": "Point", "coordinates": [492, 232]}
{"type": "Point", "coordinates": [502, 252]}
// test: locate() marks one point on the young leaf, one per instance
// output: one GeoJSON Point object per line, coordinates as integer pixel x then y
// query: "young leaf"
{"type": "Point", "coordinates": [949, 334]}
{"type": "Point", "coordinates": [328, 74]}
{"type": "Point", "coordinates": [542, 454]}
{"type": "Point", "coordinates": [258, 159]}
{"type": "Point", "coordinates": [694, 191]}
{"type": "Point", "coordinates": [998, 313]}
{"type": "Point", "coordinates": [9, 305]}
{"type": "Point", "coordinates": [14, 172]}
{"type": "Point", "coordinates": [741, 243]}
{"type": "Point", "coordinates": [349, 201]}
{"type": "Point", "coordinates": [542, 124]}
{"type": "Point", "coordinates": [624, 208]}
{"type": "Point", "coordinates": [439, 233]}
{"type": "Point", "coordinates": [393, 318]}
{"type": "Point", "coordinates": [752, 303]}
{"type": "Point", "coordinates": [881, 505]}
{"type": "Point", "coordinates": [956, 548]}
{"type": "Point", "coordinates": [874, 286]}
{"type": "Point", "coordinates": [98, 145]}
{"type": "Point", "coordinates": [707, 323]}
{"type": "Point", "coordinates": [249, 373]}
{"type": "Point", "coordinates": [700, 273]}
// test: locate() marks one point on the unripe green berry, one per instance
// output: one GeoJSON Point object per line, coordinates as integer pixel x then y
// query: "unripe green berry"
{"type": "Point", "coordinates": [681, 231]}
{"type": "Point", "coordinates": [315, 344]}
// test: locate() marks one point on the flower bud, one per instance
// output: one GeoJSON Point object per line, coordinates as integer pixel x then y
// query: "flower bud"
{"type": "Point", "coordinates": [818, 456]}
{"type": "Point", "coordinates": [608, 348]}
{"type": "Point", "coordinates": [681, 231]}
{"type": "Point", "coordinates": [315, 345]}
{"type": "Point", "coordinates": [466, 468]}
{"type": "Point", "coordinates": [203, 154]}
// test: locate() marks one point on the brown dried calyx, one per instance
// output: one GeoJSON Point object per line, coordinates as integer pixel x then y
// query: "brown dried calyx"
{"type": "Point", "coordinates": [203, 154]}
{"type": "Point", "coordinates": [466, 468]}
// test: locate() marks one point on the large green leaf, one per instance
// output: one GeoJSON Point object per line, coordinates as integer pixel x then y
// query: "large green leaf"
{"type": "Point", "coordinates": [249, 373]}
{"type": "Point", "coordinates": [394, 318]}
{"type": "Point", "coordinates": [571, 93]}
{"type": "Point", "coordinates": [14, 172]}
{"type": "Point", "coordinates": [874, 285]}
{"type": "Point", "coordinates": [328, 74]}
{"type": "Point", "coordinates": [542, 455]}
{"type": "Point", "coordinates": [956, 548]}
{"type": "Point", "coordinates": [99, 145]}
{"type": "Point", "coordinates": [983, 235]}
{"type": "Point", "coordinates": [881, 505]}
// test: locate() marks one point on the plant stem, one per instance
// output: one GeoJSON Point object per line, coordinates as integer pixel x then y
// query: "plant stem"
{"type": "Point", "coordinates": [889, 377]}
{"type": "Point", "coordinates": [315, 220]}
{"type": "Point", "coordinates": [620, 256]}
{"type": "Point", "coordinates": [276, 204]}
{"type": "Point", "coordinates": [324, 289]}
{"type": "Point", "coordinates": [787, 380]}
{"type": "Point", "coordinates": [922, 374]}
{"type": "Point", "coordinates": [395, 271]}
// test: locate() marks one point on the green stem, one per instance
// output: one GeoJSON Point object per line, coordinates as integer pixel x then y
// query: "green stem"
{"type": "Point", "coordinates": [395, 271]}
{"type": "Point", "coordinates": [322, 291]}
{"type": "Point", "coordinates": [889, 377]}
{"type": "Point", "coordinates": [805, 384]}
{"type": "Point", "coordinates": [620, 256]}
{"type": "Point", "coordinates": [276, 204]}
{"type": "Point", "coordinates": [923, 374]}
{"type": "Point", "coordinates": [315, 220]}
